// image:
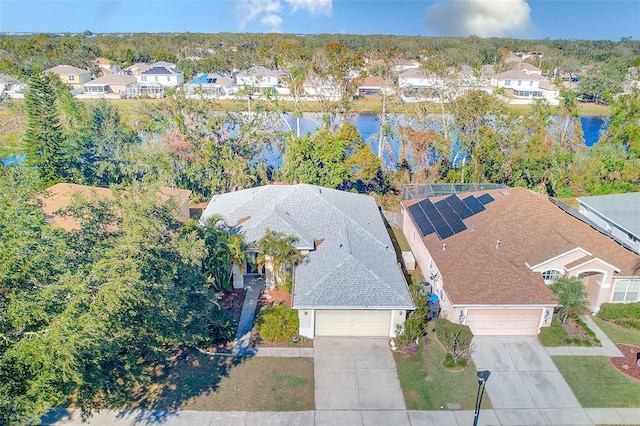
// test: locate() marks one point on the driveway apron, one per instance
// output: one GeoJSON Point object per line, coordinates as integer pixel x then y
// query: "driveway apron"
{"type": "Point", "coordinates": [523, 376]}
{"type": "Point", "coordinates": [356, 374]}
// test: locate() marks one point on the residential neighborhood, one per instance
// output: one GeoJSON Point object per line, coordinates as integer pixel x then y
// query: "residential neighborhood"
{"type": "Point", "coordinates": [285, 223]}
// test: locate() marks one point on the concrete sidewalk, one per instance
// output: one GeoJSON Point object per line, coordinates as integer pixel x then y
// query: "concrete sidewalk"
{"type": "Point", "coordinates": [588, 416]}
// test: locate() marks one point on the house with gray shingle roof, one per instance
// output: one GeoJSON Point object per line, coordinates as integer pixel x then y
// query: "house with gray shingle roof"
{"type": "Point", "coordinates": [350, 282]}
{"type": "Point", "coordinates": [616, 215]}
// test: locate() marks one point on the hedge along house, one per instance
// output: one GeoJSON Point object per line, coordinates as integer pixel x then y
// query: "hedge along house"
{"type": "Point", "coordinates": [349, 283]}
{"type": "Point", "coordinates": [491, 256]}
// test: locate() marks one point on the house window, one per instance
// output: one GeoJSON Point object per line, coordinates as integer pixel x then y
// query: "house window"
{"type": "Point", "coordinates": [168, 78]}
{"type": "Point", "coordinates": [551, 276]}
{"type": "Point", "coordinates": [626, 290]}
{"type": "Point", "coordinates": [507, 82]}
{"type": "Point", "coordinates": [519, 82]}
{"type": "Point", "coordinates": [156, 78]}
{"type": "Point", "coordinates": [530, 83]}
{"type": "Point", "coordinates": [72, 77]}
{"type": "Point", "coordinates": [144, 78]}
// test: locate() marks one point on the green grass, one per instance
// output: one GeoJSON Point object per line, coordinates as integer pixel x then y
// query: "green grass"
{"type": "Point", "coordinates": [618, 334]}
{"type": "Point", "coordinates": [194, 381]}
{"type": "Point", "coordinates": [400, 244]}
{"type": "Point", "coordinates": [596, 383]}
{"type": "Point", "coordinates": [426, 385]}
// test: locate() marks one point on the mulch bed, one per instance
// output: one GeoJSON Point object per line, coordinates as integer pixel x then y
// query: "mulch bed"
{"type": "Point", "coordinates": [274, 296]}
{"type": "Point", "coordinates": [232, 301]}
{"type": "Point", "coordinates": [627, 365]}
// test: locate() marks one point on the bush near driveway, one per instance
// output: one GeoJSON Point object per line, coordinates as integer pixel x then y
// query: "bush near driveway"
{"type": "Point", "coordinates": [456, 339]}
{"type": "Point", "coordinates": [277, 324]}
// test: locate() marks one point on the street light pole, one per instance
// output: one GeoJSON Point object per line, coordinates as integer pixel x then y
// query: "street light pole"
{"type": "Point", "coordinates": [483, 376]}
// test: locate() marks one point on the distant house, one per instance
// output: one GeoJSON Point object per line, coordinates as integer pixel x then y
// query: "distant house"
{"type": "Point", "coordinates": [525, 87]}
{"type": "Point", "coordinates": [70, 75]}
{"type": "Point", "coordinates": [616, 215]}
{"type": "Point", "coordinates": [136, 68]}
{"type": "Point", "coordinates": [349, 283]}
{"type": "Point", "coordinates": [257, 78]}
{"type": "Point", "coordinates": [59, 196]}
{"type": "Point", "coordinates": [374, 86]}
{"type": "Point", "coordinates": [163, 75]}
{"type": "Point", "coordinates": [322, 88]}
{"type": "Point", "coordinates": [414, 78]}
{"type": "Point", "coordinates": [106, 66]}
{"type": "Point", "coordinates": [210, 85]}
{"type": "Point", "coordinates": [109, 84]}
{"type": "Point", "coordinates": [491, 255]}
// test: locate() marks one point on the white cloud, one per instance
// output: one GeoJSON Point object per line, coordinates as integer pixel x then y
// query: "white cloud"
{"type": "Point", "coordinates": [316, 7]}
{"type": "Point", "coordinates": [272, 21]}
{"type": "Point", "coordinates": [268, 12]}
{"type": "Point", "coordinates": [484, 18]}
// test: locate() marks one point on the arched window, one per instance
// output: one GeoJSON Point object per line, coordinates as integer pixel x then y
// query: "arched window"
{"type": "Point", "coordinates": [551, 276]}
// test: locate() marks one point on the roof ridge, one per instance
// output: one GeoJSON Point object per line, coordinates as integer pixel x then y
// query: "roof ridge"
{"type": "Point", "coordinates": [309, 188]}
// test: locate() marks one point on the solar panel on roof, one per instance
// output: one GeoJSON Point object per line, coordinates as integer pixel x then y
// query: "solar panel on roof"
{"type": "Point", "coordinates": [459, 207]}
{"type": "Point", "coordinates": [474, 205]}
{"type": "Point", "coordinates": [485, 199]}
{"type": "Point", "coordinates": [421, 220]}
{"type": "Point", "coordinates": [444, 231]}
{"type": "Point", "coordinates": [450, 216]}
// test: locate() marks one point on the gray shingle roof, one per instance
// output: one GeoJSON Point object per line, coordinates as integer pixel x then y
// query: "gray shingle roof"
{"type": "Point", "coordinates": [353, 267]}
{"type": "Point", "coordinates": [621, 209]}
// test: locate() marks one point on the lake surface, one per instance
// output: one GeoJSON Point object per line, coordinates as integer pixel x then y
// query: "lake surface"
{"type": "Point", "coordinates": [369, 127]}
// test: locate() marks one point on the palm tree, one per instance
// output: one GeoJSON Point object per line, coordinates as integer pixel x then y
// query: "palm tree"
{"type": "Point", "coordinates": [278, 250]}
{"type": "Point", "coordinates": [572, 296]}
{"type": "Point", "coordinates": [237, 252]}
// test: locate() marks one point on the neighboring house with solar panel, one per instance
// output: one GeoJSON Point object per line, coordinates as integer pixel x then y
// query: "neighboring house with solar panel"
{"type": "Point", "coordinates": [160, 73]}
{"type": "Point", "coordinates": [616, 215]}
{"type": "Point", "coordinates": [491, 256]}
{"type": "Point", "coordinates": [210, 85]}
{"type": "Point", "coordinates": [350, 282]}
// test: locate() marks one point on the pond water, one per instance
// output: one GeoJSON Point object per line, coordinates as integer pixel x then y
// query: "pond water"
{"type": "Point", "coordinates": [369, 127]}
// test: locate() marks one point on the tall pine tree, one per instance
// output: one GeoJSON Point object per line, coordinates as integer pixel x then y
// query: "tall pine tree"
{"type": "Point", "coordinates": [43, 139]}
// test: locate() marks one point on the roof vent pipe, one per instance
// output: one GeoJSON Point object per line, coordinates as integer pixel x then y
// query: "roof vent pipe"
{"type": "Point", "coordinates": [497, 243]}
{"type": "Point", "coordinates": [444, 246]}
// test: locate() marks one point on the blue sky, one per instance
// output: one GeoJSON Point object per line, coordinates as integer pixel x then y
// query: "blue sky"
{"type": "Point", "coordinates": [527, 19]}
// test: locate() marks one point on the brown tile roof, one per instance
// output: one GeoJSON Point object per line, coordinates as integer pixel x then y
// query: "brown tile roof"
{"type": "Point", "coordinates": [531, 230]}
{"type": "Point", "coordinates": [60, 195]}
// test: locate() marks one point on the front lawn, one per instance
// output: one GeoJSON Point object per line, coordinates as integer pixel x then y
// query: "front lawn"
{"type": "Point", "coordinates": [618, 334]}
{"type": "Point", "coordinates": [195, 381]}
{"type": "Point", "coordinates": [596, 383]}
{"type": "Point", "coordinates": [426, 385]}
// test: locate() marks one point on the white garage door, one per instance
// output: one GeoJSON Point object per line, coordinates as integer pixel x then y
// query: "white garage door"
{"type": "Point", "coordinates": [353, 323]}
{"type": "Point", "coordinates": [504, 322]}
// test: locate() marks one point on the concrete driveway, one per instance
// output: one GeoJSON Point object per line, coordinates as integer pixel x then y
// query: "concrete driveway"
{"type": "Point", "coordinates": [525, 382]}
{"type": "Point", "coordinates": [356, 374]}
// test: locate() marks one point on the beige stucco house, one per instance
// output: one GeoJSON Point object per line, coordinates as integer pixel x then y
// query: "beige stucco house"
{"type": "Point", "coordinates": [491, 256]}
{"type": "Point", "coordinates": [349, 283]}
{"type": "Point", "coordinates": [73, 76]}
{"type": "Point", "coordinates": [109, 84]}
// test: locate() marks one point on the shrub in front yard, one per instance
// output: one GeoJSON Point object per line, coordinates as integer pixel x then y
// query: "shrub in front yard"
{"type": "Point", "coordinates": [624, 314]}
{"type": "Point", "coordinates": [277, 324]}
{"type": "Point", "coordinates": [555, 335]}
{"type": "Point", "coordinates": [455, 338]}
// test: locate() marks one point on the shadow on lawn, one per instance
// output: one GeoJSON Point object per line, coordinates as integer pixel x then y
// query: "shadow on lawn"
{"type": "Point", "coordinates": [187, 374]}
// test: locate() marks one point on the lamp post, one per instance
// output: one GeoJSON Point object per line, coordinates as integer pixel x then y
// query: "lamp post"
{"type": "Point", "coordinates": [483, 376]}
